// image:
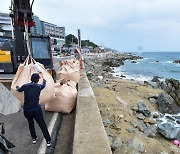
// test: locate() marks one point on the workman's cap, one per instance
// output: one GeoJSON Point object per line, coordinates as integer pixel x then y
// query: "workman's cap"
{"type": "Point", "coordinates": [35, 77]}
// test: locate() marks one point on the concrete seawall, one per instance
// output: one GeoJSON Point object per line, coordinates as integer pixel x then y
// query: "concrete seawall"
{"type": "Point", "coordinates": [89, 134]}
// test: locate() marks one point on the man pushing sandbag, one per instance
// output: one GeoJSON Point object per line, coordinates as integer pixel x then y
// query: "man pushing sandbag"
{"type": "Point", "coordinates": [32, 108]}
{"type": "Point", "coordinates": [23, 76]}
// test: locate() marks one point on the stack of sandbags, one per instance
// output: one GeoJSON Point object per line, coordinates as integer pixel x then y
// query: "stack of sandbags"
{"type": "Point", "coordinates": [73, 62]}
{"type": "Point", "coordinates": [65, 97]}
{"type": "Point", "coordinates": [70, 70]}
{"type": "Point", "coordinates": [61, 63]}
{"type": "Point", "coordinates": [23, 76]}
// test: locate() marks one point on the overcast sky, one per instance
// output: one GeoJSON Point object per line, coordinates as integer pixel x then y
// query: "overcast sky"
{"type": "Point", "coordinates": [125, 25]}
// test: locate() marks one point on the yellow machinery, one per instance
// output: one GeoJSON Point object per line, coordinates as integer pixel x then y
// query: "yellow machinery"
{"type": "Point", "coordinates": [6, 64]}
{"type": "Point", "coordinates": [5, 56]}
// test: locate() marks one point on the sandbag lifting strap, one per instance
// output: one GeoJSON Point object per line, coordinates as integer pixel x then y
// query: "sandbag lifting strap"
{"type": "Point", "coordinates": [27, 35]}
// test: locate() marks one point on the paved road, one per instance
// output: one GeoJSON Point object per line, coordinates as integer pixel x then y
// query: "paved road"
{"type": "Point", "coordinates": [17, 132]}
{"type": "Point", "coordinates": [64, 142]}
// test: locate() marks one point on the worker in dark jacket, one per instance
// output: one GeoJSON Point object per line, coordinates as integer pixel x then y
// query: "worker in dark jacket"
{"type": "Point", "coordinates": [32, 108]}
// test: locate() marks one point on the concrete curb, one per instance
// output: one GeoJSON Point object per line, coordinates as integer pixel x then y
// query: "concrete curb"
{"type": "Point", "coordinates": [89, 134]}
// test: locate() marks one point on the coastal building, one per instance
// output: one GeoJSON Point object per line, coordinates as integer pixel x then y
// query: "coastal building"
{"type": "Point", "coordinates": [53, 30]}
{"type": "Point", "coordinates": [56, 32]}
{"type": "Point", "coordinates": [41, 28]}
{"type": "Point", "coordinates": [5, 22]}
{"type": "Point", "coordinates": [38, 28]}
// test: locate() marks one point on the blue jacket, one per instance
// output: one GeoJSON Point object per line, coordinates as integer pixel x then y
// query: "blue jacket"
{"type": "Point", "coordinates": [31, 94]}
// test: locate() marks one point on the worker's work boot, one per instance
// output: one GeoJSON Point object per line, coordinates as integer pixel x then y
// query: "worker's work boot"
{"type": "Point", "coordinates": [34, 140]}
{"type": "Point", "coordinates": [48, 144]}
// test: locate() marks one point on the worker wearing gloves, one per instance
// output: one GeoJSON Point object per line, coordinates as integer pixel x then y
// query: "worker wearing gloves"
{"type": "Point", "coordinates": [32, 108]}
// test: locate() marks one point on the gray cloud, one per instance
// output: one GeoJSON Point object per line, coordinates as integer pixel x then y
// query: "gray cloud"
{"type": "Point", "coordinates": [121, 24]}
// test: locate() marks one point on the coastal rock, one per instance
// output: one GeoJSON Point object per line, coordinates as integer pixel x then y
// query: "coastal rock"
{"type": "Point", "coordinates": [134, 146]}
{"type": "Point", "coordinates": [172, 83]}
{"type": "Point", "coordinates": [172, 87]}
{"type": "Point", "coordinates": [151, 131]}
{"type": "Point", "coordinates": [107, 69]}
{"type": "Point", "coordinates": [178, 136]}
{"type": "Point", "coordinates": [123, 76]}
{"type": "Point", "coordinates": [110, 139]}
{"type": "Point", "coordinates": [116, 143]}
{"type": "Point", "coordinates": [155, 79]}
{"type": "Point", "coordinates": [134, 124]}
{"type": "Point", "coordinates": [143, 108]}
{"type": "Point", "coordinates": [149, 120]}
{"type": "Point", "coordinates": [168, 130]}
{"type": "Point", "coordinates": [140, 116]}
{"type": "Point", "coordinates": [107, 122]}
{"type": "Point", "coordinates": [176, 61]}
{"type": "Point", "coordinates": [155, 115]}
{"type": "Point", "coordinates": [152, 100]}
{"type": "Point", "coordinates": [165, 103]}
{"type": "Point", "coordinates": [130, 130]}
{"type": "Point", "coordinates": [147, 83]}
{"type": "Point", "coordinates": [174, 149]}
{"type": "Point", "coordinates": [113, 62]}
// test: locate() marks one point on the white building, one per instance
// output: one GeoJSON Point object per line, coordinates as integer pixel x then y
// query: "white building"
{"type": "Point", "coordinates": [5, 21]}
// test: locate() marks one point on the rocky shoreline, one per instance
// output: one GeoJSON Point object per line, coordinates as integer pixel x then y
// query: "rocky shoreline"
{"type": "Point", "coordinates": [137, 116]}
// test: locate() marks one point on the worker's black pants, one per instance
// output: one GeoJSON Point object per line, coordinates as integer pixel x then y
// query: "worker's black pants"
{"type": "Point", "coordinates": [38, 116]}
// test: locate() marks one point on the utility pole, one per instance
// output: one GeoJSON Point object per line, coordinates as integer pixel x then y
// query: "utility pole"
{"type": "Point", "coordinates": [79, 39]}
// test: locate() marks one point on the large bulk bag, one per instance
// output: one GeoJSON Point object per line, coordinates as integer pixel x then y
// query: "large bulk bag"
{"type": "Point", "coordinates": [61, 63]}
{"type": "Point", "coordinates": [23, 76]}
{"type": "Point", "coordinates": [72, 62]}
{"type": "Point", "coordinates": [70, 72]}
{"type": "Point", "coordinates": [65, 97]}
{"type": "Point", "coordinates": [75, 63]}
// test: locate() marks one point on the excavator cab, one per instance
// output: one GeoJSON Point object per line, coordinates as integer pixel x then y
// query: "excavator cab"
{"type": "Point", "coordinates": [41, 50]}
{"type": "Point", "coordinates": [42, 53]}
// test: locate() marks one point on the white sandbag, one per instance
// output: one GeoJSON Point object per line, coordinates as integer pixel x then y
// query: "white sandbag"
{"type": "Point", "coordinates": [67, 81]}
{"type": "Point", "coordinates": [70, 72]}
{"type": "Point", "coordinates": [72, 62]}
{"type": "Point", "coordinates": [23, 76]}
{"type": "Point", "coordinates": [65, 97]}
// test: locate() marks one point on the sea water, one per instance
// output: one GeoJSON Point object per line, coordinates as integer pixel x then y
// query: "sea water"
{"type": "Point", "coordinates": [153, 64]}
